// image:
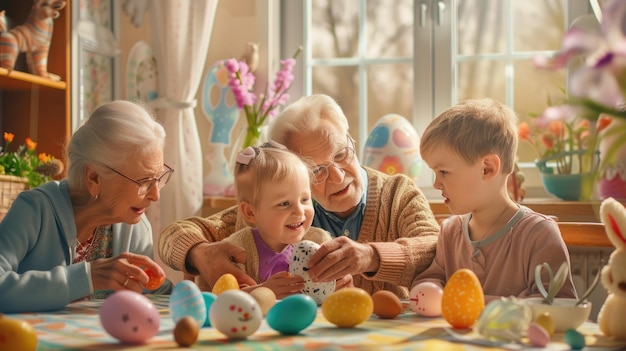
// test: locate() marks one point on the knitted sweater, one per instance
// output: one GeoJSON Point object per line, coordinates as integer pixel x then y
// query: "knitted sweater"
{"type": "Point", "coordinates": [398, 224]}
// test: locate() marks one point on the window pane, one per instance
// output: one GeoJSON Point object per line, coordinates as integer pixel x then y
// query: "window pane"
{"type": "Point", "coordinates": [481, 27]}
{"type": "Point", "coordinates": [479, 79]}
{"type": "Point", "coordinates": [334, 31]}
{"type": "Point", "coordinates": [538, 24]}
{"type": "Point", "coordinates": [389, 28]}
{"type": "Point", "coordinates": [389, 91]}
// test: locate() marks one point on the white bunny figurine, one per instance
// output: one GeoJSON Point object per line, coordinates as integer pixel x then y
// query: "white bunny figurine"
{"type": "Point", "coordinates": [612, 316]}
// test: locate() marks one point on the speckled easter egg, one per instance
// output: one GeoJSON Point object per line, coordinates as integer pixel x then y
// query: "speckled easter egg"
{"type": "Point", "coordinates": [129, 317]}
{"type": "Point", "coordinates": [302, 251]}
{"type": "Point", "coordinates": [463, 299]}
{"type": "Point", "coordinates": [186, 300]}
{"type": "Point", "coordinates": [225, 282]}
{"type": "Point", "coordinates": [348, 307]}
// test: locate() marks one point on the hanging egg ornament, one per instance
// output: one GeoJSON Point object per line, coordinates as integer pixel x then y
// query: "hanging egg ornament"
{"type": "Point", "coordinates": [463, 299]}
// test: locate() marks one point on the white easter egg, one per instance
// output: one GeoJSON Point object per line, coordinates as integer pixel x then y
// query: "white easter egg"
{"type": "Point", "coordinates": [236, 314]}
{"type": "Point", "coordinates": [392, 147]}
{"type": "Point", "coordinates": [302, 251]}
{"type": "Point", "coordinates": [186, 300]}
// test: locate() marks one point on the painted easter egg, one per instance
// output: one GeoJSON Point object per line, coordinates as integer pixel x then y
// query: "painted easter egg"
{"type": "Point", "coordinates": [302, 251]}
{"type": "Point", "coordinates": [236, 314]}
{"type": "Point", "coordinates": [292, 314]}
{"type": "Point", "coordinates": [393, 147]}
{"type": "Point", "coordinates": [225, 282]}
{"type": "Point", "coordinates": [186, 300]}
{"type": "Point", "coordinates": [348, 307]}
{"type": "Point", "coordinates": [425, 299]}
{"type": "Point", "coordinates": [129, 317]}
{"type": "Point", "coordinates": [463, 299]}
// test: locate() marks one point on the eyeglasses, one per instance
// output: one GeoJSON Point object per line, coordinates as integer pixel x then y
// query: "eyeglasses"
{"type": "Point", "coordinates": [341, 159]}
{"type": "Point", "coordinates": [144, 185]}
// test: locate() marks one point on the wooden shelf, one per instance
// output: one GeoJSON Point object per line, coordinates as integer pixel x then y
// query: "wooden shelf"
{"type": "Point", "coordinates": [17, 80]}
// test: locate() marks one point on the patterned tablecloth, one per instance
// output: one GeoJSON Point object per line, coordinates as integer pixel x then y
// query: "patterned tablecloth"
{"type": "Point", "coordinates": [77, 327]}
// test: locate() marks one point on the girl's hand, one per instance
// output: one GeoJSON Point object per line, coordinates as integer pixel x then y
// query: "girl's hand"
{"type": "Point", "coordinates": [283, 284]}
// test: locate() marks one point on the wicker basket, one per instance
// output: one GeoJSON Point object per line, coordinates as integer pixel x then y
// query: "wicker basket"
{"type": "Point", "coordinates": [10, 187]}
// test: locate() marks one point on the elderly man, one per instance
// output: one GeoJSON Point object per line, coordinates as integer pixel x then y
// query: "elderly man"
{"type": "Point", "coordinates": [385, 232]}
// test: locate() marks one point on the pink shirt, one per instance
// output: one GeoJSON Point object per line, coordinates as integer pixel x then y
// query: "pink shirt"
{"type": "Point", "coordinates": [505, 261]}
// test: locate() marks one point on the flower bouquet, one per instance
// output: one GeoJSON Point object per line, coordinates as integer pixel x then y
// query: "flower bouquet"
{"type": "Point", "coordinates": [259, 108]}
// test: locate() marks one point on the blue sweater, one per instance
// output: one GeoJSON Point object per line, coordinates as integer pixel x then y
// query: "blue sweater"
{"type": "Point", "coordinates": [37, 242]}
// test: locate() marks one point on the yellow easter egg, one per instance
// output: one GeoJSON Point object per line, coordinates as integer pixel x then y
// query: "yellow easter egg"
{"type": "Point", "coordinates": [225, 282]}
{"type": "Point", "coordinates": [348, 307]}
{"type": "Point", "coordinates": [545, 320]}
{"type": "Point", "coordinates": [463, 299]}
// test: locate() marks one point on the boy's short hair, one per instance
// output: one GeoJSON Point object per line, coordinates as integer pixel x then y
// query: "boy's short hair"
{"type": "Point", "coordinates": [475, 128]}
{"type": "Point", "coordinates": [270, 164]}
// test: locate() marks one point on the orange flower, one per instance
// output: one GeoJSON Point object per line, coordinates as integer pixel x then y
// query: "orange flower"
{"type": "Point", "coordinates": [547, 140]}
{"type": "Point", "coordinates": [45, 158]}
{"type": "Point", "coordinates": [523, 130]}
{"type": "Point", "coordinates": [556, 128]}
{"type": "Point", "coordinates": [603, 122]}
{"type": "Point", "coordinates": [8, 137]}
{"type": "Point", "coordinates": [30, 144]}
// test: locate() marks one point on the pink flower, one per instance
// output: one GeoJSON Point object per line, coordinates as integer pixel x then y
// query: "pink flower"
{"type": "Point", "coordinates": [242, 84]}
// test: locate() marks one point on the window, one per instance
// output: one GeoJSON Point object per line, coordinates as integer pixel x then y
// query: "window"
{"type": "Point", "coordinates": [416, 58]}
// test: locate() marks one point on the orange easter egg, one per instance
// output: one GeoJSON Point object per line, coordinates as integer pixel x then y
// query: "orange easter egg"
{"type": "Point", "coordinates": [463, 299]}
{"type": "Point", "coordinates": [225, 282]}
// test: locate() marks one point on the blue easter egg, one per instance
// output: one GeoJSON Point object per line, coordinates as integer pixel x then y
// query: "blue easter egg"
{"type": "Point", "coordinates": [208, 297]}
{"type": "Point", "coordinates": [187, 300]}
{"type": "Point", "coordinates": [574, 339]}
{"type": "Point", "coordinates": [292, 314]}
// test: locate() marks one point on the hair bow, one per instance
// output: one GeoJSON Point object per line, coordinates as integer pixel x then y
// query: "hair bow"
{"type": "Point", "coordinates": [246, 155]}
{"type": "Point", "coordinates": [276, 144]}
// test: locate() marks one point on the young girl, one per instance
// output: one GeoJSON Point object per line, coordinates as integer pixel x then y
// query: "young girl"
{"type": "Point", "coordinates": [272, 186]}
{"type": "Point", "coordinates": [471, 147]}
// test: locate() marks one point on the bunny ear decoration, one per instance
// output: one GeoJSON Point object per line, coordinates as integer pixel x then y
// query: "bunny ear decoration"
{"type": "Point", "coordinates": [613, 215]}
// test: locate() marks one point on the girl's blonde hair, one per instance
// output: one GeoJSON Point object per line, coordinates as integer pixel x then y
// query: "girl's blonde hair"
{"type": "Point", "coordinates": [475, 128]}
{"type": "Point", "coordinates": [269, 164]}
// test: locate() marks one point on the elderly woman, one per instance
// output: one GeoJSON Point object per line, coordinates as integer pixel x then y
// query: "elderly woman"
{"type": "Point", "coordinates": [88, 233]}
{"type": "Point", "coordinates": [385, 232]}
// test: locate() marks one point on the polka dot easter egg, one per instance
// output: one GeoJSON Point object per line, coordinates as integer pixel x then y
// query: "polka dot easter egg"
{"type": "Point", "coordinates": [348, 307]}
{"type": "Point", "coordinates": [225, 282]}
{"type": "Point", "coordinates": [129, 317]}
{"type": "Point", "coordinates": [463, 299]}
{"type": "Point", "coordinates": [303, 250]}
{"type": "Point", "coordinates": [236, 314]}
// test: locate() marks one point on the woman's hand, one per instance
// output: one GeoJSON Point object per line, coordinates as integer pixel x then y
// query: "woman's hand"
{"type": "Point", "coordinates": [212, 260]}
{"type": "Point", "coordinates": [341, 256]}
{"type": "Point", "coordinates": [346, 282]}
{"type": "Point", "coordinates": [125, 271]}
{"type": "Point", "coordinates": [283, 284]}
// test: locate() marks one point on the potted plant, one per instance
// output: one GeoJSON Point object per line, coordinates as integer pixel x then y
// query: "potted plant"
{"type": "Point", "coordinates": [566, 150]}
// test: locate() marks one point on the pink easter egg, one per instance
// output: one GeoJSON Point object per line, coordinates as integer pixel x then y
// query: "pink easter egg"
{"type": "Point", "coordinates": [130, 317]}
{"type": "Point", "coordinates": [425, 299]}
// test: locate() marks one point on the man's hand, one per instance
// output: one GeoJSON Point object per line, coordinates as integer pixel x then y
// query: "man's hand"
{"type": "Point", "coordinates": [341, 256]}
{"type": "Point", "coordinates": [212, 260]}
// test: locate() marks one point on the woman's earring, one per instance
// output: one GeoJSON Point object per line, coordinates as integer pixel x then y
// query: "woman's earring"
{"type": "Point", "coordinates": [95, 197]}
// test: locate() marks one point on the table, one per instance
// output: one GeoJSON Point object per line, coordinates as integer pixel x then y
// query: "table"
{"type": "Point", "coordinates": [77, 327]}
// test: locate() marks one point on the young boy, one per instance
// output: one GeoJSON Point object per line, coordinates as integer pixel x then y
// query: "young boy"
{"type": "Point", "coordinates": [471, 147]}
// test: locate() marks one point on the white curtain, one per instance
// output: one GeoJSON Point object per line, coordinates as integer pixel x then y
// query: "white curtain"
{"type": "Point", "coordinates": [181, 31]}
